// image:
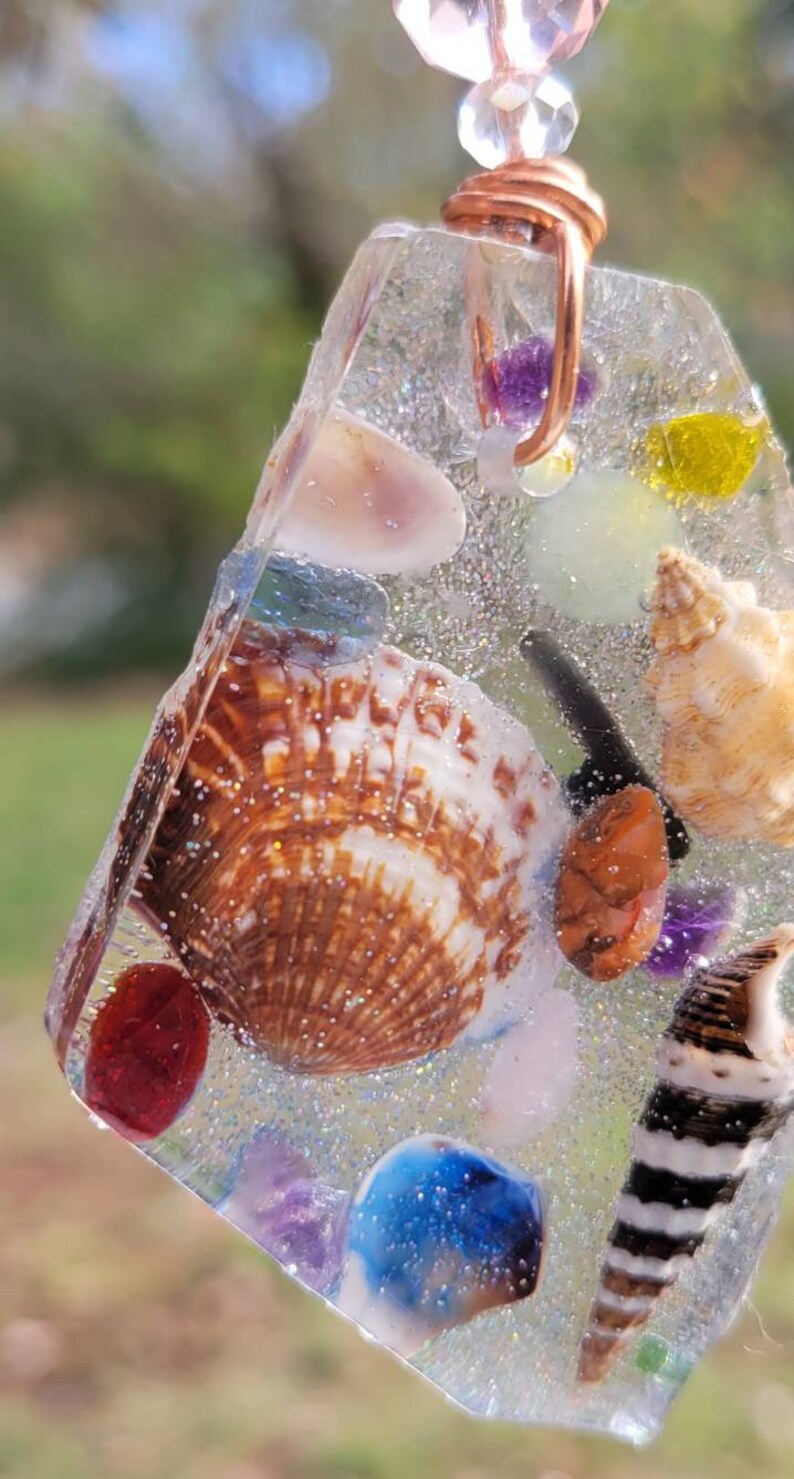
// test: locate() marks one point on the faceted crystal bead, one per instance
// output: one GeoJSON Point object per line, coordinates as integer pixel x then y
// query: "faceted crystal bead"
{"type": "Point", "coordinates": [473, 38]}
{"type": "Point", "coordinates": [515, 116]}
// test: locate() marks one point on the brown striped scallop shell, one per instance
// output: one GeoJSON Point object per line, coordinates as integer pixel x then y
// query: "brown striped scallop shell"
{"type": "Point", "coordinates": [350, 864]}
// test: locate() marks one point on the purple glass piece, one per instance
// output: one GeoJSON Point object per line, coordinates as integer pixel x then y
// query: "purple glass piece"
{"type": "Point", "coordinates": [697, 923]}
{"type": "Point", "coordinates": [292, 1215]}
{"type": "Point", "coordinates": [516, 384]}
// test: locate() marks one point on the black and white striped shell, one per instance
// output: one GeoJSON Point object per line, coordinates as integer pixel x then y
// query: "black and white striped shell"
{"type": "Point", "coordinates": [353, 864]}
{"type": "Point", "coordinates": [725, 1087]}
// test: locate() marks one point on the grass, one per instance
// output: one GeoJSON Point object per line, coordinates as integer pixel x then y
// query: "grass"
{"type": "Point", "coordinates": [140, 1339]}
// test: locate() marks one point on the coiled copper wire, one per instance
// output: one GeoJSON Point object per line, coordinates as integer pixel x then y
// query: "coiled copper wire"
{"type": "Point", "coordinates": [549, 204]}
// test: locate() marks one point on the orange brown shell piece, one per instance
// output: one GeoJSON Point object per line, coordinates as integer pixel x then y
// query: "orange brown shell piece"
{"type": "Point", "coordinates": [344, 866]}
{"type": "Point", "coordinates": [611, 885]}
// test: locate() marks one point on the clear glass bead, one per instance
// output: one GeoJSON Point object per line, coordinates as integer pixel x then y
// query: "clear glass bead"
{"type": "Point", "coordinates": [475, 38]}
{"type": "Point", "coordinates": [515, 116]}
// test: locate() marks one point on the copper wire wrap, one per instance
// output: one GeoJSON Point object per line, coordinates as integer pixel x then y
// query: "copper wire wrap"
{"type": "Point", "coordinates": [550, 204]}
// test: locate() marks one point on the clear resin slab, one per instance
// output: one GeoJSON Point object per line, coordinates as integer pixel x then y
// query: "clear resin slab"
{"type": "Point", "coordinates": [440, 943]}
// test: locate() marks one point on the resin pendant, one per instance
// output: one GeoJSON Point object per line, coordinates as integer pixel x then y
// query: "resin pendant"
{"type": "Point", "coordinates": [426, 880]}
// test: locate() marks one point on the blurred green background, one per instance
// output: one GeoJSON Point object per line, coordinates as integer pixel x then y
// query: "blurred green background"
{"type": "Point", "coordinates": [181, 185]}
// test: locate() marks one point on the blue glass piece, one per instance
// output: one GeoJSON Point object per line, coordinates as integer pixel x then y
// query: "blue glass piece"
{"type": "Point", "coordinates": [299, 596]}
{"type": "Point", "coordinates": [442, 1230]}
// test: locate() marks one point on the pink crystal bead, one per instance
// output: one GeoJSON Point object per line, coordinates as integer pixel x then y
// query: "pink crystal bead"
{"type": "Point", "coordinates": [475, 38]}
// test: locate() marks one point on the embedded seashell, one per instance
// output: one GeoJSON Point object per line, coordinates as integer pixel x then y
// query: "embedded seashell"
{"type": "Point", "coordinates": [688, 602]}
{"type": "Point", "coordinates": [352, 867]}
{"type": "Point", "coordinates": [368, 503]}
{"type": "Point", "coordinates": [611, 885]}
{"type": "Point", "coordinates": [439, 1233]}
{"type": "Point", "coordinates": [723, 684]}
{"type": "Point", "coordinates": [725, 1087]}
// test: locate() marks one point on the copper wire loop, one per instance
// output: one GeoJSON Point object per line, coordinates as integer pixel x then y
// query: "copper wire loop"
{"type": "Point", "coordinates": [550, 204]}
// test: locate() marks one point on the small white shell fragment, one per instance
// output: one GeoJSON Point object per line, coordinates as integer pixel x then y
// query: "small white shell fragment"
{"type": "Point", "coordinates": [369, 504]}
{"type": "Point", "coordinates": [533, 1072]}
{"type": "Point", "coordinates": [592, 550]}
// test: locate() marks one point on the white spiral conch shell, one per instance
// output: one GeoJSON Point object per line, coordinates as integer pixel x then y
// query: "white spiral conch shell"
{"type": "Point", "coordinates": [723, 684]}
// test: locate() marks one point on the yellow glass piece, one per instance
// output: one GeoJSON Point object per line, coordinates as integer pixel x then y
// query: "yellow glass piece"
{"type": "Point", "coordinates": [710, 453]}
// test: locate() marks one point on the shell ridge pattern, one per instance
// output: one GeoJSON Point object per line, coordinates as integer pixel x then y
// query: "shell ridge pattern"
{"type": "Point", "coordinates": [722, 680]}
{"type": "Point", "coordinates": [374, 877]}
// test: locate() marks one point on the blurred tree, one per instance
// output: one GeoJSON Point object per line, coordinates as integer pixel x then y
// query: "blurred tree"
{"type": "Point", "coordinates": [151, 353]}
{"type": "Point", "coordinates": [181, 183]}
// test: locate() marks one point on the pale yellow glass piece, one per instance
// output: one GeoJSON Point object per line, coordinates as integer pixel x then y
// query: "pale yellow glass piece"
{"type": "Point", "coordinates": [710, 454]}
